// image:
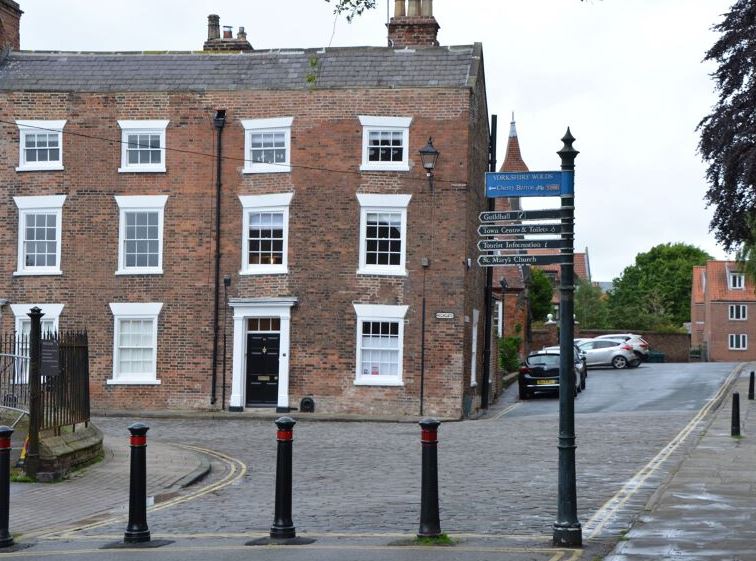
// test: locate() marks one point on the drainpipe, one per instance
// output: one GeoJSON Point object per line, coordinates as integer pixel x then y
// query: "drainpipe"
{"type": "Point", "coordinates": [487, 299]}
{"type": "Point", "coordinates": [219, 121]}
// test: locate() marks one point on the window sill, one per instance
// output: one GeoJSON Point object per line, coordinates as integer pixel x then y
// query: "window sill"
{"type": "Point", "coordinates": [131, 382]}
{"type": "Point", "coordinates": [57, 167]}
{"type": "Point", "coordinates": [37, 273]}
{"type": "Point", "coordinates": [136, 169]}
{"type": "Point", "coordinates": [383, 272]}
{"type": "Point", "coordinates": [268, 271]}
{"type": "Point", "coordinates": [127, 272]}
{"type": "Point", "coordinates": [377, 381]}
{"type": "Point", "coordinates": [373, 167]}
{"type": "Point", "coordinates": [270, 168]}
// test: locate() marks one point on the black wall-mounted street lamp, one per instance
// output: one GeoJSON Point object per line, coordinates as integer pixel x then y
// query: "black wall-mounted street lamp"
{"type": "Point", "coordinates": [429, 157]}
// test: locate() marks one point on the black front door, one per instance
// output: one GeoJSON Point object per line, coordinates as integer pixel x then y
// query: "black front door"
{"type": "Point", "coordinates": [262, 368]}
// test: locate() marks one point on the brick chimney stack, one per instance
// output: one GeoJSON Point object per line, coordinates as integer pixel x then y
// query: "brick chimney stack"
{"type": "Point", "coordinates": [225, 44]}
{"type": "Point", "coordinates": [10, 23]}
{"type": "Point", "coordinates": [413, 24]}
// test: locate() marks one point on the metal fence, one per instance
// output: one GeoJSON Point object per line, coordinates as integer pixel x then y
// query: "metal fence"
{"type": "Point", "coordinates": [64, 378]}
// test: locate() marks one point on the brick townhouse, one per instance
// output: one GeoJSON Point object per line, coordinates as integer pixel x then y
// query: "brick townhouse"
{"type": "Point", "coordinates": [243, 228]}
{"type": "Point", "coordinates": [723, 312]}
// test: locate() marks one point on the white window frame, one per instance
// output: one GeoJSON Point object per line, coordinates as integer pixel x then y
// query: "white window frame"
{"type": "Point", "coordinates": [387, 124]}
{"type": "Point", "coordinates": [35, 127]}
{"type": "Point", "coordinates": [135, 311]}
{"type": "Point", "coordinates": [142, 127]}
{"type": "Point", "coordinates": [52, 313]}
{"type": "Point", "coordinates": [52, 204]}
{"type": "Point", "coordinates": [737, 281]}
{"type": "Point", "coordinates": [738, 341]}
{"type": "Point", "coordinates": [500, 317]}
{"type": "Point", "coordinates": [474, 352]}
{"type": "Point", "coordinates": [382, 203]}
{"type": "Point", "coordinates": [138, 203]}
{"type": "Point", "coordinates": [277, 124]}
{"type": "Point", "coordinates": [373, 312]}
{"type": "Point", "coordinates": [278, 202]}
{"type": "Point", "coordinates": [735, 310]}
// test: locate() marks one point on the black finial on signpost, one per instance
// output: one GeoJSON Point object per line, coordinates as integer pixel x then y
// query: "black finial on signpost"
{"type": "Point", "coordinates": [568, 153]}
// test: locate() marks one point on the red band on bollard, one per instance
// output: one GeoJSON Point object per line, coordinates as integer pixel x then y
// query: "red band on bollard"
{"type": "Point", "coordinates": [428, 435]}
{"type": "Point", "coordinates": [137, 440]}
{"type": "Point", "coordinates": [5, 443]}
{"type": "Point", "coordinates": [285, 435]}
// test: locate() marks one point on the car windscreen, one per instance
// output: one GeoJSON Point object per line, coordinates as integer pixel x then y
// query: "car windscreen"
{"type": "Point", "coordinates": [543, 360]}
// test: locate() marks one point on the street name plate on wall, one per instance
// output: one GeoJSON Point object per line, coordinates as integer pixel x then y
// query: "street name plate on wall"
{"type": "Point", "coordinates": [49, 358]}
{"type": "Point", "coordinates": [444, 315]}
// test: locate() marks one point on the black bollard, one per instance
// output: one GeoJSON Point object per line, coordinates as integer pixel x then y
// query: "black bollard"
{"type": "Point", "coordinates": [137, 530]}
{"type": "Point", "coordinates": [735, 430]}
{"type": "Point", "coordinates": [750, 387]}
{"type": "Point", "coordinates": [430, 526]}
{"type": "Point", "coordinates": [5, 448]}
{"type": "Point", "coordinates": [283, 527]}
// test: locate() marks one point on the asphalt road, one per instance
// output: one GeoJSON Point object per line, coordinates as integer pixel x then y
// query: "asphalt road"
{"type": "Point", "coordinates": [356, 485]}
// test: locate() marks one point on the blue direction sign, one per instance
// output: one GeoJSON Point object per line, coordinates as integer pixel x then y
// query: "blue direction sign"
{"type": "Point", "coordinates": [499, 245]}
{"type": "Point", "coordinates": [497, 216]}
{"type": "Point", "coordinates": [524, 184]}
{"type": "Point", "coordinates": [504, 260]}
{"type": "Point", "coordinates": [485, 230]}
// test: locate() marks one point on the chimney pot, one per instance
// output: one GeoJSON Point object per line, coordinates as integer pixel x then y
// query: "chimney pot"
{"type": "Point", "coordinates": [426, 8]}
{"type": "Point", "coordinates": [399, 8]}
{"type": "Point", "coordinates": [213, 27]}
{"type": "Point", "coordinates": [228, 32]}
{"type": "Point", "coordinates": [413, 10]}
{"type": "Point", "coordinates": [242, 34]}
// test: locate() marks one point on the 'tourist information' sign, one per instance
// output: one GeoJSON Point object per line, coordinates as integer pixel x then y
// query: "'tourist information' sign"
{"type": "Point", "coordinates": [524, 184]}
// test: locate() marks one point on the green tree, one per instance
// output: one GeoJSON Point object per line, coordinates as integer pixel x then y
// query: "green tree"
{"type": "Point", "coordinates": [591, 307]}
{"type": "Point", "coordinates": [352, 8]}
{"type": "Point", "coordinates": [654, 293]}
{"type": "Point", "coordinates": [728, 134]}
{"type": "Point", "coordinates": [746, 254]}
{"type": "Point", "coordinates": [540, 292]}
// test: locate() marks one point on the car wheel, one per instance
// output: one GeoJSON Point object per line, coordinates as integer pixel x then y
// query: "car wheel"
{"type": "Point", "coordinates": [619, 362]}
{"type": "Point", "coordinates": [524, 394]}
{"type": "Point", "coordinates": [635, 363]}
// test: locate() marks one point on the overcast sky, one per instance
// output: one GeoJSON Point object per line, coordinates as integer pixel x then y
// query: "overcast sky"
{"type": "Point", "coordinates": [626, 75]}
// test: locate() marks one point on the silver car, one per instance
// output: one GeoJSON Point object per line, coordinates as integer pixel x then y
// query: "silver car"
{"type": "Point", "coordinates": [605, 352]}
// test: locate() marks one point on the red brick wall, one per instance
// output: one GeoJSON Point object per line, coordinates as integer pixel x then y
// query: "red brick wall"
{"type": "Point", "coordinates": [720, 326]}
{"type": "Point", "coordinates": [413, 32]}
{"type": "Point", "coordinates": [323, 234]}
{"type": "Point", "coordinates": [9, 25]}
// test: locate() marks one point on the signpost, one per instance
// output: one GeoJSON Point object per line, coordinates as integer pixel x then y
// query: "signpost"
{"type": "Point", "coordinates": [486, 230]}
{"type": "Point", "coordinates": [567, 530]}
{"type": "Point", "coordinates": [524, 184]}
{"type": "Point", "coordinates": [499, 245]}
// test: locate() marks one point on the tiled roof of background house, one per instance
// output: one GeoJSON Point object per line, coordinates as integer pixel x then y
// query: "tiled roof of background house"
{"type": "Point", "coordinates": [717, 283]}
{"type": "Point", "coordinates": [373, 67]}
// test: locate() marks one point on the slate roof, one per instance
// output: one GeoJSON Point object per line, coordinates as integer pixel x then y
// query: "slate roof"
{"type": "Point", "coordinates": [375, 67]}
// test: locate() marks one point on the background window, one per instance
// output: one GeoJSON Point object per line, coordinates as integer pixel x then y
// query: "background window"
{"type": "Point", "coordinates": [385, 146]}
{"type": "Point", "coordinates": [40, 145]}
{"type": "Point", "coordinates": [135, 341]}
{"type": "Point", "coordinates": [737, 280]}
{"type": "Point", "coordinates": [385, 143]}
{"type": "Point", "coordinates": [265, 237]}
{"type": "Point", "coordinates": [267, 145]}
{"type": "Point", "coordinates": [738, 341]}
{"type": "Point", "coordinates": [141, 234]}
{"type": "Point", "coordinates": [142, 146]}
{"type": "Point", "coordinates": [383, 234]}
{"type": "Point", "coordinates": [738, 312]}
{"type": "Point", "coordinates": [39, 234]}
{"type": "Point", "coordinates": [380, 342]}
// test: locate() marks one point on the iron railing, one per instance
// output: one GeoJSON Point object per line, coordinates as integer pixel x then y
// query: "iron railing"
{"type": "Point", "coordinates": [14, 372]}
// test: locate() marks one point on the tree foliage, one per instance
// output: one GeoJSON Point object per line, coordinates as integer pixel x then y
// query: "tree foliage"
{"type": "Point", "coordinates": [746, 254]}
{"type": "Point", "coordinates": [591, 306]}
{"type": "Point", "coordinates": [654, 293]}
{"type": "Point", "coordinates": [352, 8]}
{"type": "Point", "coordinates": [539, 293]}
{"type": "Point", "coordinates": [728, 134]}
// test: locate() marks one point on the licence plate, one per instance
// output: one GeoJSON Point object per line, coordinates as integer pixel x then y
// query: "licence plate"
{"type": "Point", "coordinates": [545, 382]}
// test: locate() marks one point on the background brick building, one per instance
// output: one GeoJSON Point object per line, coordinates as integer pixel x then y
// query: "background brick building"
{"type": "Point", "coordinates": [723, 312]}
{"type": "Point", "coordinates": [134, 183]}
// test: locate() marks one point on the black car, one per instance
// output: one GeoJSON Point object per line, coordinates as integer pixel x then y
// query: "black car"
{"type": "Point", "coordinates": [540, 374]}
